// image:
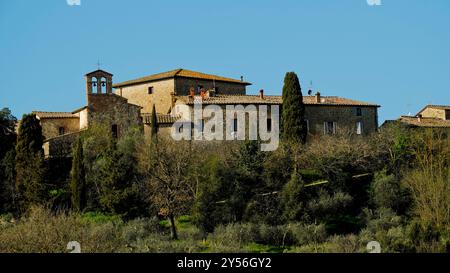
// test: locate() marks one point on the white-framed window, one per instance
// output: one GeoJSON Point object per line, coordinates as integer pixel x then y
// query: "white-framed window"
{"type": "Point", "coordinates": [235, 125]}
{"type": "Point", "coordinates": [329, 127]}
{"type": "Point", "coordinates": [359, 127]}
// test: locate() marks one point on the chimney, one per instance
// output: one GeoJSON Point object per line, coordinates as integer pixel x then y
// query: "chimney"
{"type": "Point", "coordinates": [261, 94]}
{"type": "Point", "coordinates": [318, 97]}
{"type": "Point", "coordinates": [419, 117]}
{"type": "Point", "coordinates": [242, 78]}
{"type": "Point", "coordinates": [202, 93]}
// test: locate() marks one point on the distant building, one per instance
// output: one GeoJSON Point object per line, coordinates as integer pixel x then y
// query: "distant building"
{"type": "Point", "coordinates": [431, 116]}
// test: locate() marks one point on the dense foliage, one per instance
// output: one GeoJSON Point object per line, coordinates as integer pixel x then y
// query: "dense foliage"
{"type": "Point", "coordinates": [332, 194]}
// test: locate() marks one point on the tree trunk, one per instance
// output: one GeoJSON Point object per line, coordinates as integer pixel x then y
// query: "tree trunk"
{"type": "Point", "coordinates": [173, 228]}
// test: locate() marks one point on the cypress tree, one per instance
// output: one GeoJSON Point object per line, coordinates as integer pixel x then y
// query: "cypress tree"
{"type": "Point", "coordinates": [293, 197]}
{"type": "Point", "coordinates": [7, 159]}
{"type": "Point", "coordinates": [78, 178]}
{"type": "Point", "coordinates": [30, 168]}
{"type": "Point", "coordinates": [293, 124]}
{"type": "Point", "coordinates": [154, 121]}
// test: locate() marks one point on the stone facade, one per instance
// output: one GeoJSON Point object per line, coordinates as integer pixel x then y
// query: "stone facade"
{"type": "Point", "coordinates": [345, 118]}
{"type": "Point", "coordinates": [53, 127]}
{"type": "Point", "coordinates": [435, 111]}
{"type": "Point", "coordinates": [113, 110]}
{"type": "Point", "coordinates": [160, 95]}
{"type": "Point", "coordinates": [183, 85]}
{"type": "Point", "coordinates": [159, 89]}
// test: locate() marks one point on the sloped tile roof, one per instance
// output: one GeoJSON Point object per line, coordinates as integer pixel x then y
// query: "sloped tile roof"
{"type": "Point", "coordinates": [440, 107]}
{"type": "Point", "coordinates": [161, 118]}
{"type": "Point", "coordinates": [41, 114]}
{"type": "Point", "coordinates": [179, 73]}
{"type": "Point", "coordinates": [424, 122]}
{"type": "Point", "coordinates": [255, 99]}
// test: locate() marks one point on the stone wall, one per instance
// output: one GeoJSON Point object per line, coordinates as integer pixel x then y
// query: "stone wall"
{"type": "Point", "coordinates": [345, 118]}
{"type": "Point", "coordinates": [434, 113]}
{"type": "Point", "coordinates": [183, 85]}
{"type": "Point", "coordinates": [161, 96]}
{"type": "Point", "coordinates": [113, 110]}
{"type": "Point", "coordinates": [60, 146]}
{"type": "Point", "coordinates": [50, 126]}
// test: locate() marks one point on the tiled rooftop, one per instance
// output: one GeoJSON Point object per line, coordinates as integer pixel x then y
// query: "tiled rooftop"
{"type": "Point", "coordinates": [424, 122]}
{"type": "Point", "coordinates": [179, 73]}
{"type": "Point", "coordinates": [255, 99]}
{"type": "Point", "coordinates": [161, 118]}
{"type": "Point", "coordinates": [41, 114]}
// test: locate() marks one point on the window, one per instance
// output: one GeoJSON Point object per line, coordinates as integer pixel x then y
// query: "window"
{"type": "Point", "coordinates": [115, 130]}
{"type": "Point", "coordinates": [359, 127]}
{"type": "Point", "coordinates": [150, 90]}
{"type": "Point", "coordinates": [61, 131]}
{"type": "Point", "coordinates": [269, 125]}
{"type": "Point", "coordinates": [329, 127]}
{"type": "Point", "coordinates": [235, 125]}
{"type": "Point", "coordinates": [358, 112]}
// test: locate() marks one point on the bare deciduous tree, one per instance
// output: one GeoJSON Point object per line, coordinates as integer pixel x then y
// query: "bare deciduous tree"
{"type": "Point", "coordinates": [167, 165]}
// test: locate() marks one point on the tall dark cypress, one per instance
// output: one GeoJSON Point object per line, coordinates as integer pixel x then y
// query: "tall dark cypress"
{"type": "Point", "coordinates": [293, 124]}
{"type": "Point", "coordinates": [78, 177]}
{"type": "Point", "coordinates": [154, 121]}
{"type": "Point", "coordinates": [30, 164]}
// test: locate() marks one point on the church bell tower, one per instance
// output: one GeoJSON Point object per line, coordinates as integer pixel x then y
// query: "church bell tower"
{"type": "Point", "coordinates": [99, 82]}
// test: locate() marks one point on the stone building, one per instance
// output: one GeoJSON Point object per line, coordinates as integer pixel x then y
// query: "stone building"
{"type": "Point", "coordinates": [159, 89]}
{"type": "Point", "coordinates": [431, 116]}
{"type": "Point", "coordinates": [60, 129]}
{"type": "Point", "coordinates": [324, 114]}
{"type": "Point", "coordinates": [131, 103]}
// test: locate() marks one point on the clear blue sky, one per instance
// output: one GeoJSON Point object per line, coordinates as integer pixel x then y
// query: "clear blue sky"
{"type": "Point", "coordinates": [396, 55]}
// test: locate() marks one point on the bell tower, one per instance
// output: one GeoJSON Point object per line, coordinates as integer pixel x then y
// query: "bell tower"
{"type": "Point", "coordinates": [99, 82]}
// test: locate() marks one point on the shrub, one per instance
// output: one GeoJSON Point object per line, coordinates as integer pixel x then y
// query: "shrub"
{"type": "Point", "coordinates": [308, 234]}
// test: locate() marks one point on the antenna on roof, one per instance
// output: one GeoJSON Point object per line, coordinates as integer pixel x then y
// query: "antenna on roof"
{"type": "Point", "coordinates": [310, 88]}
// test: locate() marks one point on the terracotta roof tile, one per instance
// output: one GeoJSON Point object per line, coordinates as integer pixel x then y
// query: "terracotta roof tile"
{"type": "Point", "coordinates": [255, 99]}
{"type": "Point", "coordinates": [424, 122]}
{"type": "Point", "coordinates": [178, 73]}
{"type": "Point", "coordinates": [41, 114]}
{"type": "Point", "coordinates": [161, 118]}
{"type": "Point", "coordinates": [440, 107]}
